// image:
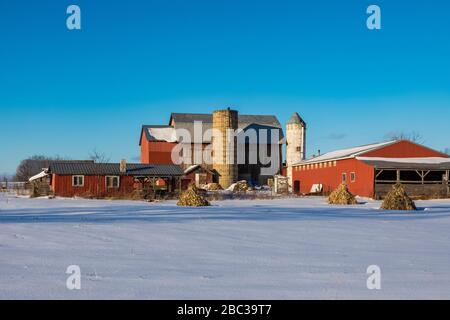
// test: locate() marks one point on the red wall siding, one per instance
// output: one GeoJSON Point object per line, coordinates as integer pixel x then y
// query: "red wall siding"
{"type": "Point", "coordinates": [93, 186]}
{"type": "Point", "coordinates": [331, 177]}
{"type": "Point", "coordinates": [156, 152]}
{"type": "Point", "coordinates": [404, 149]}
{"type": "Point", "coordinates": [145, 155]}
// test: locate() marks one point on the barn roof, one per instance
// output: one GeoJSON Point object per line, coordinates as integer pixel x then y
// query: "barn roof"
{"type": "Point", "coordinates": [184, 122]}
{"type": "Point", "coordinates": [243, 119]}
{"type": "Point", "coordinates": [432, 163]}
{"type": "Point", "coordinates": [133, 169]}
{"type": "Point", "coordinates": [346, 153]}
{"type": "Point", "coordinates": [296, 119]}
{"type": "Point", "coordinates": [35, 167]}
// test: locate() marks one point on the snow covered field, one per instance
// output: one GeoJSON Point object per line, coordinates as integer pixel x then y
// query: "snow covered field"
{"type": "Point", "coordinates": [280, 249]}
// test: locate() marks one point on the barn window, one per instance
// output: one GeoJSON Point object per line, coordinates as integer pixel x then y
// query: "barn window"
{"type": "Point", "coordinates": [77, 181]}
{"type": "Point", "coordinates": [352, 176]}
{"type": "Point", "coordinates": [112, 182]}
{"type": "Point", "coordinates": [344, 177]}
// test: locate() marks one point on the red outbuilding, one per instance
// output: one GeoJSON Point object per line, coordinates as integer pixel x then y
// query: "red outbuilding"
{"type": "Point", "coordinates": [99, 180]}
{"type": "Point", "coordinates": [371, 170]}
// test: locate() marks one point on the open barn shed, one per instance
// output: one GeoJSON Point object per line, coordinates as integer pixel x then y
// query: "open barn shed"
{"type": "Point", "coordinates": [371, 170]}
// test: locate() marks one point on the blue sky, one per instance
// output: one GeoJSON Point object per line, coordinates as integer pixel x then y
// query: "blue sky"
{"type": "Point", "coordinates": [68, 92]}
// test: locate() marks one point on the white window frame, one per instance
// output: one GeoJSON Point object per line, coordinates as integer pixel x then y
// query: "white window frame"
{"type": "Point", "coordinates": [74, 177]}
{"type": "Point", "coordinates": [112, 179]}
{"type": "Point", "coordinates": [353, 176]}
{"type": "Point", "coordinates": [344, 177]}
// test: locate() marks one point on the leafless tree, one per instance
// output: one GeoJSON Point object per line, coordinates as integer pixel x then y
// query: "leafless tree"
{"type": "Point", "coordinates": [413, 136]}
{"type": "Point", "coordinates": [30, 166]}
{"type": "Point", "coordinates": [446, 151]}
{"type": "Point", "coordinates": [98, 157]}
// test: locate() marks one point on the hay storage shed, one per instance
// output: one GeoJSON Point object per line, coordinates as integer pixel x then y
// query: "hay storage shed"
{"type": "Point", "coordinates": [371, 170]}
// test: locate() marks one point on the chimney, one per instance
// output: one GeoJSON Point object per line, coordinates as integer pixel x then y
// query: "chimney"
{"type": "Point", "coordinates": [123, 166]}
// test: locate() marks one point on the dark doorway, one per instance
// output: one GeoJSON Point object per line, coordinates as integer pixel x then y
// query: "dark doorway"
{"type": "Point", "coordinates": [297, 186]}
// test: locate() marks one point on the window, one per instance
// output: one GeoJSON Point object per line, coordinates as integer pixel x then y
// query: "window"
{"type": "Point", "coordinates": [112, 182]}
{"type": "Point", "coordinates": [299, 149]}
{"type": "Point", "coordinates": [352, 176]}
{"type": "Point", "coordinates": [200, 179]}
{"type": "Point", "coordinates": [344, 177]}
{"type": "Point", "coordinates": [77, 181]}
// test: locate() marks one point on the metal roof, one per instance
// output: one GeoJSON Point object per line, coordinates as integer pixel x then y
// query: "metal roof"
{"type": "Point", "coordinates": [346, 153]}
{"type": "Point", "coordinates": [185, 121]}
{"type": "Point", "coordinates": [410, 164]}
{"type": "Point", "coordinates": [35, 167]}
{"type": "Point", "coordinates": [133, 169]}
{"type": "Point", "coordinates": [296, 119]}
{"type": "Point", "coordinates": [243, 119]}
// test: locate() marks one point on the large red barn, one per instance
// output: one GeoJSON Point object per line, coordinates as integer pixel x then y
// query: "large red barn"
{"type": "Point", "coordinates": [371, 170]}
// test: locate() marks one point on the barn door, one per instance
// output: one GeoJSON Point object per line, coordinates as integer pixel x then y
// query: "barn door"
{"type": "Point", "coordinates": [296, 186]}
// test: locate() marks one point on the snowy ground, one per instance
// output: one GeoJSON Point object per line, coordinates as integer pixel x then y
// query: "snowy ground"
{"type": "Point", "coordinates": [280, 249]}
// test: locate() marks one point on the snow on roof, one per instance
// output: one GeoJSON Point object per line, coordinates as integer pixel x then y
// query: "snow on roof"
{"type": "Point", "coordinates": [191, 168]}
{"type": "Point", "coordinates": [39, 176]}
{"type": "Point", "coordinates": [163, 134]}
{"type": "Point", "coordinates": [346, 153]}
{"type": "Point", "coordinates": [431, 160]}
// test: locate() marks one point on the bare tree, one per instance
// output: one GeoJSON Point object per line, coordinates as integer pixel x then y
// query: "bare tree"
{"type": "Point", "coordinates": [413, 136]}
{"type": "Point", "coordinates": [33, 165]}
{"type": "Point", "coordinates": [446, 151]}
{"type": "Point", "coordinates": [4, 179]}
{"type": "Point", "coordinates": [98, 157]}
{"type": "Point", "coordinates": [26, 168]}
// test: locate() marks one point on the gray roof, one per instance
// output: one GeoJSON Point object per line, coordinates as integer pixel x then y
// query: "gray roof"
{"type": "Point", "coordinates": [381, 164]}
{"type": "Point", "coordinates": [133, 169]}
{"type": "Point", "coordinates": [36, 166]}
{"type": "Point", "coordinates": [185, 121]}
{"type": "Point", "coordinates": [296, 119]}
{"type": "Point", "coordinates": [243, 119]}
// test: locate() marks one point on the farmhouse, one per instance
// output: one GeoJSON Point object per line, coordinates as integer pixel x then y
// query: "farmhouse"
{"type": "Point", "coordinates": [90, 179]}
{"type": "Point", "coordinates": [371, 170]}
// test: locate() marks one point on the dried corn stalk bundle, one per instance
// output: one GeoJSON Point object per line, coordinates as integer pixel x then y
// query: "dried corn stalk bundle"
{"type": "Point", "coordinates": [397, 199]}
{"type": "Point", "coordinates": [213, 187]}
{"type": "Point", "coordinates": [342, 196]}
{"type": "Point", "coordinates": [192, 198]}
{"type": "Point", "coordinates": [240, 186]}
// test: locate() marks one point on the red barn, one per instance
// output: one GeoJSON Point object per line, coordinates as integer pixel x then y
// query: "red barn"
{"type": "Point", "coordinates": [371, 170]}
{"type": "Point", "coordinates": [68, 179]}
{"type": "Point", "coordinates": [156, 144]}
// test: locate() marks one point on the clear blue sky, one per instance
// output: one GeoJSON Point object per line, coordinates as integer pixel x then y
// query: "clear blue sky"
{"type": "Point", "coordinates": [67, 92]}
